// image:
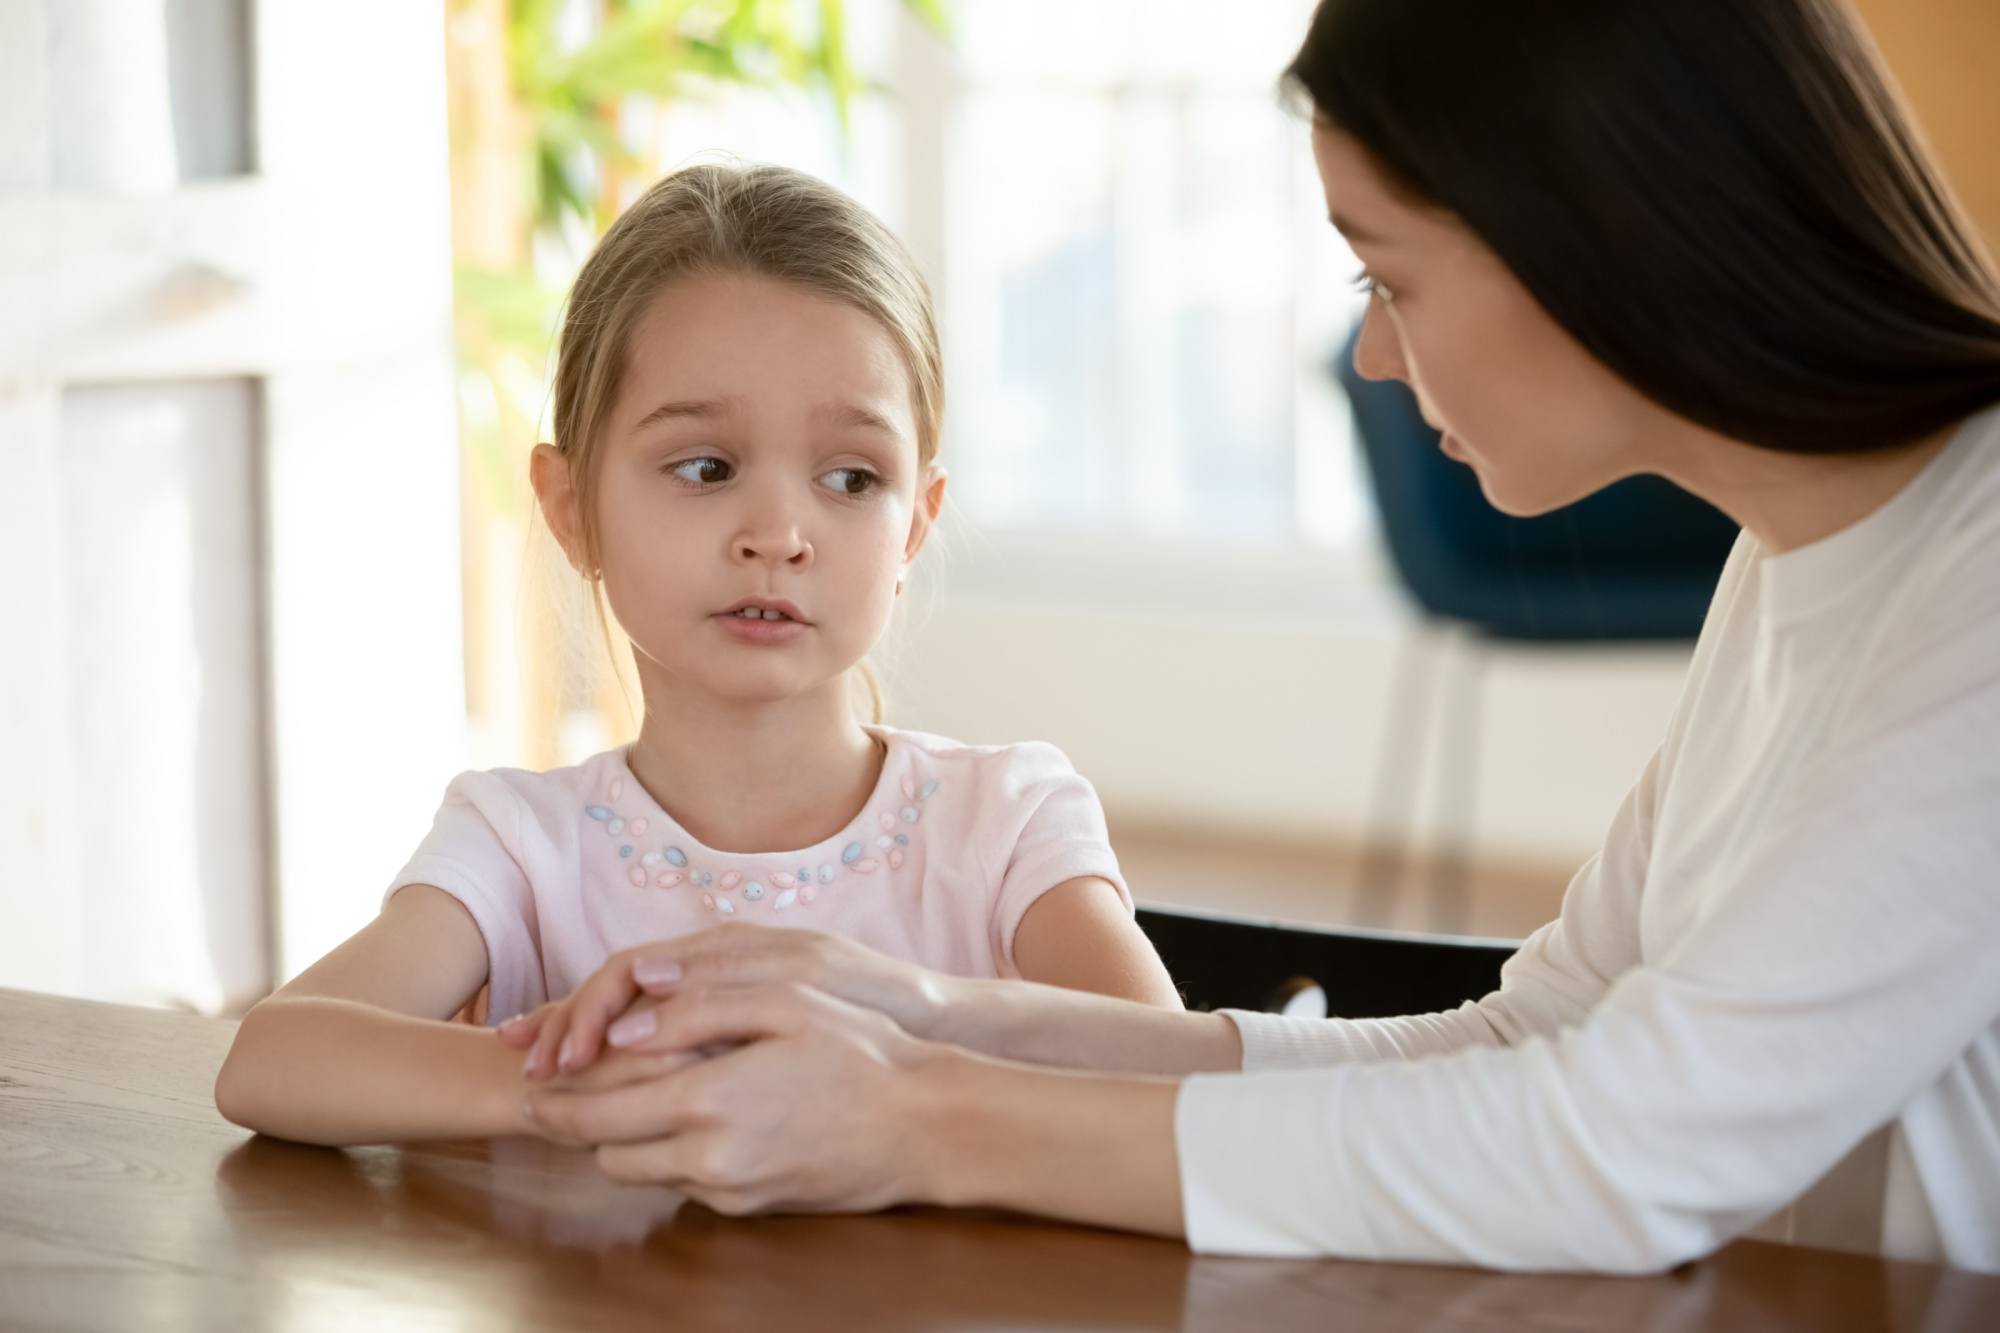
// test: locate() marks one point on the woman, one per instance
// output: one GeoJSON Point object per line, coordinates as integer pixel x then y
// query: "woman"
{"type": "Point", "coordinates": [1605, 239]}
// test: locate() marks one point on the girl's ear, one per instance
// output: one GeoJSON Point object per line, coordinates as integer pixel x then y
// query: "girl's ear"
{"type": "Point", "coordinates": [930, 499]}
{"type": "Point", "coordinates": [548, 472]}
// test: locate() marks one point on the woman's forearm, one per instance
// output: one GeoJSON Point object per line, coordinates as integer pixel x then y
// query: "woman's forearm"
{"type": "Point", "coordinates": [330, 1071]}
{"type": "Point", "coordinates": [1081, 1147]}
{"type": "Point", "coordinates": [1049, 1025]}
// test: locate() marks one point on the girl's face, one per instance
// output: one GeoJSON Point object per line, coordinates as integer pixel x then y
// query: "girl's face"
{"type": "Point", "coordinates": [1541, 421]}
{"type": "Point", "coordinates": [761, 453]}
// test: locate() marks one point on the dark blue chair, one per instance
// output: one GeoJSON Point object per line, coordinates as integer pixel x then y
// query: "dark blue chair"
{"type": "Point", "coordinates": [1637, 561]}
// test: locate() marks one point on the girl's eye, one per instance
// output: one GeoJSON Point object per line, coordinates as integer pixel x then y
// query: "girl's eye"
{"type": "Point", "coordinates": [854, 481]}
{"type": "Point", "coordinates": [700, 471]}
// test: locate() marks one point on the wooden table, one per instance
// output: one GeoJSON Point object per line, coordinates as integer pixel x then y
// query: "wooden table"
{"type": "Point", "coordinates": [127, 1203]}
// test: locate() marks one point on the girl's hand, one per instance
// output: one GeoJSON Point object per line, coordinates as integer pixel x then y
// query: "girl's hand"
{"type": "Point", "coordinates": [753, 1128]}
{"type": "Point", "coordinates": [568, 1035]}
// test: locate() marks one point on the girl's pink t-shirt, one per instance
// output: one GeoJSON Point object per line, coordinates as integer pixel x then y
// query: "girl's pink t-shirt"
{"type": "Point", "coordinates": [564, 868]}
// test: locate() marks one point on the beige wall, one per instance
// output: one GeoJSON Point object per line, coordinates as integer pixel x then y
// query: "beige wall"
{"type": "Point", "coordinates": [1946, 54]}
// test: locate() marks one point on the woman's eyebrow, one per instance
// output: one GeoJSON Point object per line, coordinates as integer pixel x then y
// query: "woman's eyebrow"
{"type": "Point", "coordinates": [1353, 230]}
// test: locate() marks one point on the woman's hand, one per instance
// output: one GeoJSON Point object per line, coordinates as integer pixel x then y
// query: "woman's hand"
{"type": "Point", "coordinates": [812, 1104]}
{"type": "Point", "coordinates": [567, 1035]}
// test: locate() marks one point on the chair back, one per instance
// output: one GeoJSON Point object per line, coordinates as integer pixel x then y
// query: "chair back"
{"type": "Point", "coordinates": [1232, 963]}
{"type": "Point", "coordinates": [1637, 560]}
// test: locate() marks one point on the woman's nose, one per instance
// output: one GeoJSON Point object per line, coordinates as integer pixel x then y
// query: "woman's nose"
{"type": "Point", "coordinates": [1378, 352]}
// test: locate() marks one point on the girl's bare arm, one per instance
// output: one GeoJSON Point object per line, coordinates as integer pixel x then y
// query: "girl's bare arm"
{"type": "Point", "coordinates": [358, 1048]}
{"type": "Point", "coordinates": [1079, 935]}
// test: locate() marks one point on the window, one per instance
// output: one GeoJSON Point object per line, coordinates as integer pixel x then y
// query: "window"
{"type": "Point", "coordinates": [1141, 295]}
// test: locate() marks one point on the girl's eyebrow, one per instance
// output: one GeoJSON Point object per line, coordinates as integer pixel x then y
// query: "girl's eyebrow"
{"type": "Point", "coordinates": [855, 414]}
{"type": "Point", "coordinates": [706, 409]}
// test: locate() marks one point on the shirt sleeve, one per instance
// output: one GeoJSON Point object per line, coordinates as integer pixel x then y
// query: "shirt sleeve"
{"type": "Point", "coordinates": [1845, 971]}
{"type": "Point", "coordinates": [1061, 836]}
{"type": "Point", "coordinates": [1557, 976]}
{"type": "Point", "coordinates": [472, 852]}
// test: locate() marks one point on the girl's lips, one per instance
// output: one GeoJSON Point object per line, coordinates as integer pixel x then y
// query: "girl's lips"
{"type": "Point", "coordinates": [768, 604]}
{"type": "Point", "coordinates": [745, 630]}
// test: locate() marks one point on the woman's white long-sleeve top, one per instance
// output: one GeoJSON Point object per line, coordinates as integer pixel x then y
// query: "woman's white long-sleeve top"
{"type": "Point", "coordinates": [1772, 997]}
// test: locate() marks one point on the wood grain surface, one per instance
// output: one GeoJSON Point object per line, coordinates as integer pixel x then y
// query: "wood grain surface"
{"type": "Point", "coordinates": [127, 1203]}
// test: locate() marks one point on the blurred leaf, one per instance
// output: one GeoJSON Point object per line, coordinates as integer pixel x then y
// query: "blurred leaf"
{"type": "Point", "coordinates": [933, 13]}
{"type": "Point", "coordinates": [833, 60]}
{"type": "Point", "coordinates": [655, 52]}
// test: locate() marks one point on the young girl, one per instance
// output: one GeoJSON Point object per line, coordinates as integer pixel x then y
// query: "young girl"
{"type": "Point", "coordinates": [747, 413]}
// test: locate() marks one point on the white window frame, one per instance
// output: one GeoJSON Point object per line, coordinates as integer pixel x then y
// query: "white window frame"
{"type": "Point", "coordinates": [1328, 578]}
{"type": "Point", "coordinates": [323, 277]}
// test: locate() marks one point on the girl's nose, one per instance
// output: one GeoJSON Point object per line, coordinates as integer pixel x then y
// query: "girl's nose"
{"type": "Point", "coordinates": [774, 539]}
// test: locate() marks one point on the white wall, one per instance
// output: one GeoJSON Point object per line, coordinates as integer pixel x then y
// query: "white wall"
{"type": "Point", "coordinates": [1236, 716]}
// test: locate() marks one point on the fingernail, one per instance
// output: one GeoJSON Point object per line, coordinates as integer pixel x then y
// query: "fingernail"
{"type": "Point", "coordinates": [512, 1021]}
{"type": "Point", "coordinates": [656, 971]}
{"type": "Point", "coordinates": [563, 1055]}
{"type": "Point", "coordinates": [528, 1110]}
{"type": "Point", "coordinates": [631, 1028]}
{"type": "Point", "coordinates": [528, 1065]}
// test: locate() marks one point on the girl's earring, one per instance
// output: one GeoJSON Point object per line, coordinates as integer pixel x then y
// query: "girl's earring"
{"type": "Point", "coordinates": [899, 587]}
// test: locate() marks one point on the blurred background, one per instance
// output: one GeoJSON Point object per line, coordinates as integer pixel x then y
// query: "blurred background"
{"type": "Point", "coordinates": [278, 286]}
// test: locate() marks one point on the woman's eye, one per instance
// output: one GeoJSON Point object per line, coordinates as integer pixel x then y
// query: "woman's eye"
{"type": "Point", "coordinates": [1368, 285]}
{"type": "Point", "coordinates": [850, 480]}
{"type": "Point", "coordinates": [700, 471]}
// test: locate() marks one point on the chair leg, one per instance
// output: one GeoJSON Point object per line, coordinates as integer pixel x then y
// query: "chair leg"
{"type": "Point", "coordinates": [1460, 732]}
{"type": "Point", "coordinates": [1399, 763]}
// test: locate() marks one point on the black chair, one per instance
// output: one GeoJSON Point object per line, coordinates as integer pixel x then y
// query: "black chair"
{"type": "Point", "coordinates": [1224, 962]}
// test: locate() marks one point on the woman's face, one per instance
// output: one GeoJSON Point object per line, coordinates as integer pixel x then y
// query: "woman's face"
{"type": "Point", "coordinates": [1541, 421]}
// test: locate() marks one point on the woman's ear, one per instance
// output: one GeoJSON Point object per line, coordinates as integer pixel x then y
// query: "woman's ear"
{"type": "Point", "coordinates": [548, 472]}
{"type": "Point", "coordinates": [930, 500]}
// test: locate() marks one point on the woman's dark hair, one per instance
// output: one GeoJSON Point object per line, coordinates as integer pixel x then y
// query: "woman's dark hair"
{"type": "Point", "coordinates": [1723, 200]}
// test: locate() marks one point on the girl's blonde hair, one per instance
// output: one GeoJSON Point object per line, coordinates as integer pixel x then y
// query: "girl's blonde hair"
{"type": "Point", "coordinates": [719, 218]}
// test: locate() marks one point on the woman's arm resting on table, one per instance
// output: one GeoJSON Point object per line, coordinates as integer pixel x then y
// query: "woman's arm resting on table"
{"type": "Point", "coordinates": [1078, 936]}
{"type": "Point", "coordinates": [356, 1050]}
{"type": "Point", "coordinates": [1025, 1021]}
{"type": "Point", "coordinates": [1082, 1147]}
{"type": "Point", "coordinates": [752, 1130]}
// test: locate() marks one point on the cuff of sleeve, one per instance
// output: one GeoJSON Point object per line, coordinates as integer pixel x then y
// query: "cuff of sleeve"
{"type": "Point", "coordinates": [1273, 1041]}
{"type": "Point", "coordinates": [1260, 1171]}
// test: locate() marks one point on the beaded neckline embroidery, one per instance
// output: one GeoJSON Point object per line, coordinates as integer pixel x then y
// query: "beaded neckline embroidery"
{"type": "Point", "coordinates": [665, 866]}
